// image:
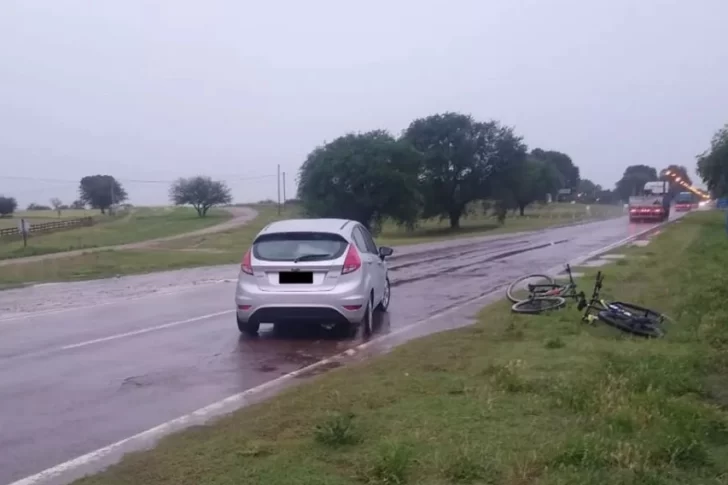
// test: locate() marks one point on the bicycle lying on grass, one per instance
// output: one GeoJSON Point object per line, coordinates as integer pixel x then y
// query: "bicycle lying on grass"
{"type": "Point", "coordinates": [542, 294]}
{"type": "Point", "coordinates": [626, 317]}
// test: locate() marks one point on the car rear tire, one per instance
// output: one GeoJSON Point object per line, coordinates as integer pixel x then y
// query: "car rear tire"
{"type": "Point", "coordinates": [248, 328]}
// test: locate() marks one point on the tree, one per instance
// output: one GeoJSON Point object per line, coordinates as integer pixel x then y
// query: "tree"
{"type": "Point", "coordinates": [78, 205]}
{"type": "Point", "coordinates": [526, 182]}
{"type": "Point", "coordinates": [459, 158]}
{"type": "Point", "coordinates": [364, 177]}
{"type": "Point", "coordinates": [37, 207]}
{"type": "Point", "coordinates": [7, 205]}
{"type": "Point", "coordinates": [713, 164]}
{"type": "Point", "coordinates": [57, 205]}
{"type": "Point", "coordinates": [101, 192]}
{"type": "Point", "coordinates": [561, 162]}
{"type": "Point", "coordinates": [200, 192]}
{"type": "Point", "coordinates": [607, 197]}
{"type": "Point", "coordinates": [588, 190]}
{"type": "Point", "coordinates": [633, 179]}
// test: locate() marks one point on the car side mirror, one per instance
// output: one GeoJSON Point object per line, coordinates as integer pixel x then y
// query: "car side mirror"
{"type": "Point", "coordinates": [385, 252]}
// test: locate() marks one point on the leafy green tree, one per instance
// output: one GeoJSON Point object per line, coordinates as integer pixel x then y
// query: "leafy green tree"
{"type": "Point", "coordinates": [713, 164]}
{"type": "Point", "coordinates": [365, 177]}
{"type": "Point", "coordinates": [200, 192]}
{"type": "Point", "coordinates": [526, 182]}
{"type": "Point", "coordinates": [101, 191]}
{"type": "Point", "coordinates": [7, 205]}
{"type": "Point", "coordinates": [587, 191]}
{"type": "Point", "coordinates": [459, 158]}
{"type": "Point", "coordinates": [633, 179]}
{"type": "Point", "coordinates": [563, 163]}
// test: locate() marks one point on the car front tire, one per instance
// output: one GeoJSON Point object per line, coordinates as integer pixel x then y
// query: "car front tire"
{"type": "Point", "coordinates": [367, 323]}
{"type": "Point", "coordinates": [387, 297]}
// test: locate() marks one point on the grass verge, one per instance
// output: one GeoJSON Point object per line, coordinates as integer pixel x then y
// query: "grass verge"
{"type": "Point", "coordinates": [228, 246]}
{"type": "Point", "coordinates": [141, 224]}
{"type": "Point", "coordinates": [512, 399]}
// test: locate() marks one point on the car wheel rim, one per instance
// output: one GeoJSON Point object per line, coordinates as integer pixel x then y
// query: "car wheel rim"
{"type": "Point", "coordinates": [385, 299]}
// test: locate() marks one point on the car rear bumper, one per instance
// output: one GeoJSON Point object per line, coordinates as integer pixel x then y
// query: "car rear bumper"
{"type": "Point", "coordinates": [254, 305]}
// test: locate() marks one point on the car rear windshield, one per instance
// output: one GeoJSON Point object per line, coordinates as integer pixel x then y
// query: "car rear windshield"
{"type": "Point", "coordinates": [299, 246]}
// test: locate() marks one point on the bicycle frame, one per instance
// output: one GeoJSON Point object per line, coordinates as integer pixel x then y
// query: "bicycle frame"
{"type": "Point", "coordinates": [567, 290]}
{"type": "Point", "coordinates": [599, 304]}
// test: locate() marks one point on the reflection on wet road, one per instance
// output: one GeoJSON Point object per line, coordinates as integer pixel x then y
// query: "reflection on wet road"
{"type": "Point", "coordinates": [76, 380]}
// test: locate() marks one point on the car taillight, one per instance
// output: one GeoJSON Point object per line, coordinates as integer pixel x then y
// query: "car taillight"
{"type": "Point", "coordinates": [246, 266]}
{"type": "Point", "coordinates": [352, 261]}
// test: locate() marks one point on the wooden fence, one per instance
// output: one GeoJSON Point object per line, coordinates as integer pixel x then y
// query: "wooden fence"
{"type": "Point", "coordinates": [13, 232]}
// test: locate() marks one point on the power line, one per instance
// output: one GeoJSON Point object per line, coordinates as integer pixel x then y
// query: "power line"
{"type": "Point", "coordinates": [140, 181]}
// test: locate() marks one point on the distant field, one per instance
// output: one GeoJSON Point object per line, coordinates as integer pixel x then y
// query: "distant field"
{"type": "Point", "coordinates": [228, 246]}
{"type": "Point", "coordinates": [39, 217]}
{"type": "Point", "coordinates": [141, 224]}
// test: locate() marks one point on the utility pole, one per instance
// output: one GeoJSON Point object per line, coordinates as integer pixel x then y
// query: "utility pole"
{"type": "Point", "coordinates": [284, 190]}
{"type": "Point", "coordinates": [278, 178]}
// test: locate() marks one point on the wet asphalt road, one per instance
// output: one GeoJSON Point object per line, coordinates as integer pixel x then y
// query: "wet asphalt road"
{"type": "Point", "coordinates": [76, 379]}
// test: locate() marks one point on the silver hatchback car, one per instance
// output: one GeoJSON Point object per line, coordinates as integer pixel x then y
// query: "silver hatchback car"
{"type": "Point", "coordinates": [320, 271]}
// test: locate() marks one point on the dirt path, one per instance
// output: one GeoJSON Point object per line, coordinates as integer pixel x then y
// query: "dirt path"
{"type": "Point", "coordinates": [241, 216]}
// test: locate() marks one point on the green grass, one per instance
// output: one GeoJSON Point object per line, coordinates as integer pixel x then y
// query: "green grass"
{"type": "Point", "coordinates": [510, 400]}
{"type": "Point", "coordinates": [39, 217]}
{"type": "Point", "coordinates": [141, 224]}
{"type": "Point", "coordinates": [228, 246]}
{"type": "Point", "coordinates": [536, 217]}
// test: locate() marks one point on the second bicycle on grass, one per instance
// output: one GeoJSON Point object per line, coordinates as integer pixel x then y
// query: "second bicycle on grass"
{"type": "Point", "coordinates": [627, 317]}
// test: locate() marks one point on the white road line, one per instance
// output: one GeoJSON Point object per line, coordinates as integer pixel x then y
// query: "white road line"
{"type": "Point", "coordinates": [143, 331]}
{"type": "Point", "coordinates": [69, 470]}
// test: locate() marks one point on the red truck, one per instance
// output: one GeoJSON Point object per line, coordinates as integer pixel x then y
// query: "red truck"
{"type": "Point", "coordinates": [653, 205]}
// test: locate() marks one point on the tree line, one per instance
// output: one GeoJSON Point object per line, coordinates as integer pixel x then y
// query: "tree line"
{"type": "Point", "coordinates": [439, 167]}
{"type": "Point", "coordinates": [102, 192]}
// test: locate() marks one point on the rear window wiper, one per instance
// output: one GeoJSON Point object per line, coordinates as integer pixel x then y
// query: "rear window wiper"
{"type": "Point", "coordinates": [308, 257]}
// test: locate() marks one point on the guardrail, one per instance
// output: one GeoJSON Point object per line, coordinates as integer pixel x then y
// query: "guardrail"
{"type": "Point", "coordinates": [45, 227]}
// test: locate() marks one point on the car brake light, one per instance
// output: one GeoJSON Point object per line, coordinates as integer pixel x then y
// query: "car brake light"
{"type": "Point", "coordinates": [352, 261]}
{"type": "Point", "coordinates": [246, 266]}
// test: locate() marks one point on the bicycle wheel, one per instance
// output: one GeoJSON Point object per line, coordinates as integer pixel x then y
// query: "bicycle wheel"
{"type": "Point", "coordinates": [642, 327]}
{"type": "Point", "coordinates": [534, 306]}
{"type": "Point", "coordinates": [518, 290]}
{"type": "Point", "coordinates": [637, 311]}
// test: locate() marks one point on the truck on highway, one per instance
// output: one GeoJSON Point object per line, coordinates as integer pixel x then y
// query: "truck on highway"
{"type": "Point", "coordinates": [652, 205]}
{"type": "Point", "coordinates": [686, 201]}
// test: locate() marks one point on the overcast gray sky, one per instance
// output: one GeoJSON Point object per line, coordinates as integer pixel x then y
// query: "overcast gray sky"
{"type": "Point", "coordinates": [154, 90]}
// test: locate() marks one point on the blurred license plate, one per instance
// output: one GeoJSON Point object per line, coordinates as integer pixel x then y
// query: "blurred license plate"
{"type": "Point", "coordinates": [295, 278]}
